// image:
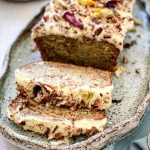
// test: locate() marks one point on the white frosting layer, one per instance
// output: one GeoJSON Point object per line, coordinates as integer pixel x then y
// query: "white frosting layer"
{"type": "Point", "coordinates": [95, 95]}
{"type": "Point", "coordinates": [122, 16]}
{"type": "Point", "coordinates": [55, 126]}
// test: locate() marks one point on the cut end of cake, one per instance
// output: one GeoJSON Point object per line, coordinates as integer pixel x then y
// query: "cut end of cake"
{"type": "Point", "coordinates": [60, 84]}
{"type": "Point", "coordinates": [55, 122]}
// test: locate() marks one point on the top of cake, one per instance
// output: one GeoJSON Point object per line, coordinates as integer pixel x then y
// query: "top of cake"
{"type": "Point", "coordinates": [103, 20]}
{"type": "Point", "coordinates": [62, 74]}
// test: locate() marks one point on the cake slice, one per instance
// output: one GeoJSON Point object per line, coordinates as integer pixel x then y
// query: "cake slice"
{"type": "Point", "coordinates": [55, 122]}
{"type": "Point", "coordinates": [84, 32]}
{"type": "Point", "coordinates": [62, 84]}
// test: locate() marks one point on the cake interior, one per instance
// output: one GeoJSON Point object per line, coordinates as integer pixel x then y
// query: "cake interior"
{"type": "Point", "coordinates": [86, 52]}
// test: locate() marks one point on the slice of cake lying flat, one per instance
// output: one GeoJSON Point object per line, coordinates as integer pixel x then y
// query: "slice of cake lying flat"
{"type": "Point", "coordinates": [84, 32]}
{"type": "Point", "coordinates": [62, 84]}
{"type": "Point", "coordinates": [55, 122]}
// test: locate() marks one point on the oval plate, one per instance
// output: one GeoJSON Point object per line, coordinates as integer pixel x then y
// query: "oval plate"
{"type": "Point", "coordinates": [131, 88]}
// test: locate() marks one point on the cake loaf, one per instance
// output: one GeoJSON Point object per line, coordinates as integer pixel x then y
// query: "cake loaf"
{"type": "Point", "coordinates": [60, 84]}
{"type": "Point", "coordinates": [55, 122]}
{"type": "Point", "coordinates": [84, 32]}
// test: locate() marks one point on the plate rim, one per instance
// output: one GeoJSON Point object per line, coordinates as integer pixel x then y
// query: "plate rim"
{"type": "Point", "coordinates": [110, 133]}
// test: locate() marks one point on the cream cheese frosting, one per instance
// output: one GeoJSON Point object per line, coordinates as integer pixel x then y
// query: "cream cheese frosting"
{"type": "Point", "coordinates": [75, 86]}
{"type": "Point", "coordinates": [114, 23]}
{"type": "Point", "coordinates": [52, 124]}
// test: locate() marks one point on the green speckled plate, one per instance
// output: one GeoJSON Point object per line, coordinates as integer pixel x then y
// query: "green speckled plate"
{"type": "Point", "coordinates": [132, 87]}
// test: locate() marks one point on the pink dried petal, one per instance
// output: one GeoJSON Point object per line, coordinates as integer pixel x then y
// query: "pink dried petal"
{"type": "Point", "coordinates": [112, 3]}
{"type": "Point", "coordinates": [68, 16]}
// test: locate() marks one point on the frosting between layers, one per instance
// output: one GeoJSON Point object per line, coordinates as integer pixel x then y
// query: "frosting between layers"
{"type": "Point", "coordinates": [114, 27]}
{"type": "Point", "coordinates": [54, 127]}
{"type": "Point", "coordinates": [71, 93]}
{"type": "Point", "coordinates": [97, 98]}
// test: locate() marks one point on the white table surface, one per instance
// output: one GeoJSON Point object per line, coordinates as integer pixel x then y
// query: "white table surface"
{"type": "Point", "coordinates": [14, 17]}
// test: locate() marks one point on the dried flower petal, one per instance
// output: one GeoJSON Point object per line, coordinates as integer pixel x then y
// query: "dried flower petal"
{"type": "Point", "coordinates": [70, 17]}
{"type": "Point", "coordinates": [112, 3]}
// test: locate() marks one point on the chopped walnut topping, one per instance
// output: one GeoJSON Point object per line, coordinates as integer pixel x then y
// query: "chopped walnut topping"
{"type": "Point", "coordinates": [22, 123]}
{"type": "Point", "coordinates": [46, 18]}
{"type": "Point", "coordinates": [40, 126]}
{"type": "Point", "coordinates": [95, 104]}
{"type": "Point", "coordinates": [94, 130]}
{"type": "Point", "coordinates": [47, 132]}
{"type": "Point", "coordinates": [56, 17]}
{"type": "Point", "coordinates": [56, 127]}
{"type": "Point", "coordinates": [58, 136]}
{"type": "Point", "coordinates": [98, 31]}
{"type": "Point", "coordinates": [79, 131]}
{"type": "Point", "coordinates": [107, 36]}
{"type": "Point", "coordinates": [88, 132]}
{"type": "Point", "coordinates": [101, 94]}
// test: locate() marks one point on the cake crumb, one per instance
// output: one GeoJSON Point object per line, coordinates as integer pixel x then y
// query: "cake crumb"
{"type": "Point", "coordinates": [34, 47]}
{"type": "Point", "coordinates": [138, 34]}
{"type": "Point", "coordinates": [134, 61]}
{"type": "Point", "coordinates": [138, 70]}
{"type": "Point", "coordinates": [137, 22]}
{"type": "Point", "coordinates": [117, 101]}
{"type": "Point", "coordinates": [125, 60]}
{"type": "Point", "coordinates": [128, 45]}
{"type": "Point", "coordinates": [119, 71]}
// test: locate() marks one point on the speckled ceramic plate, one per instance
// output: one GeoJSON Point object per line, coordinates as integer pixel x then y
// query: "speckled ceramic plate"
{"type": "Point", "coordinates": [131, 88]}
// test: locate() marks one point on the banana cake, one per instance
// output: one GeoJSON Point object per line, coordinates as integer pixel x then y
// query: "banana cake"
{"type": "Point", "coordinates": [54, 122]}
{"type": "Point", "coordinates": [60, 84]}
{"type": "Point", "coordinates": [84, 32]}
